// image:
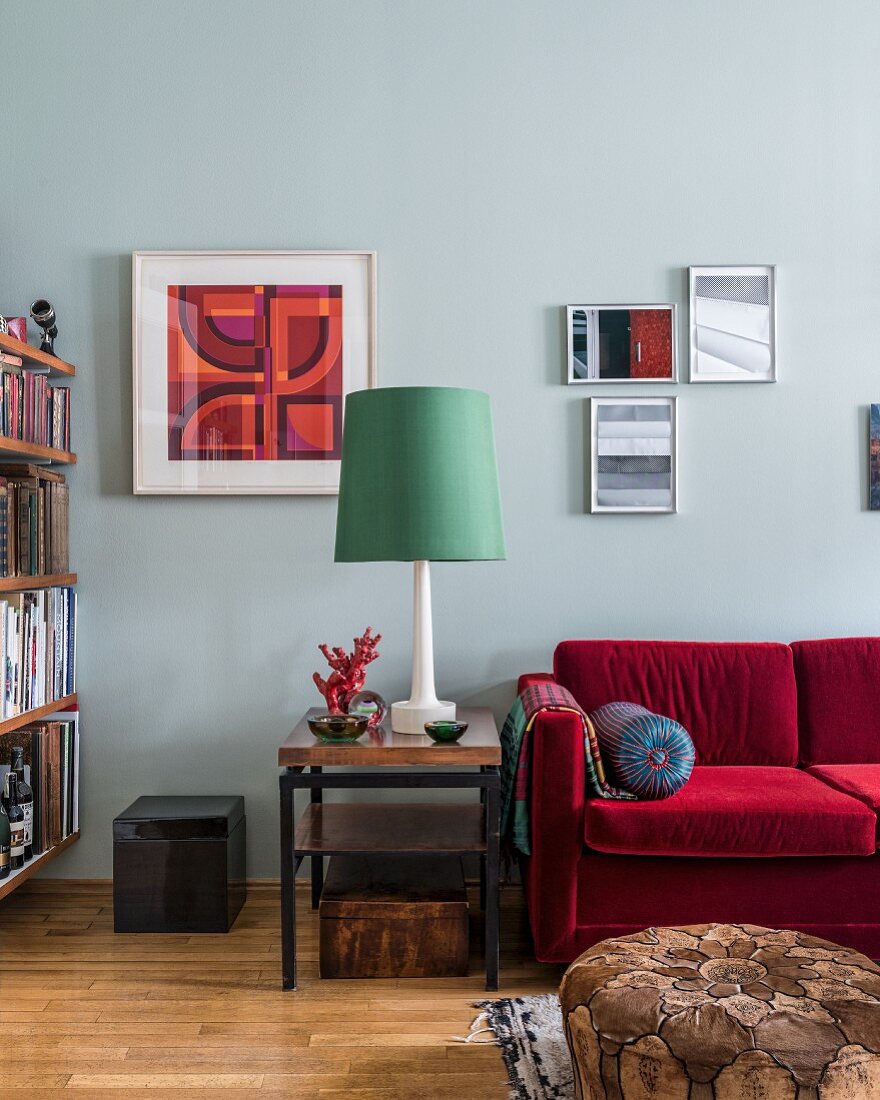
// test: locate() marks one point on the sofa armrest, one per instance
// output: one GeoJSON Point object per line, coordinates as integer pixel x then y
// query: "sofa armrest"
{"type": "Point", "coordinates": [557, 815]}
{"type": "Point", "coordinates": [533, 678]}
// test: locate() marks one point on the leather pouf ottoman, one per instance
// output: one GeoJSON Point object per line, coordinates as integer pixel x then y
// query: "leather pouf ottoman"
{"type": "Point", "coordinates": [722, 1012]}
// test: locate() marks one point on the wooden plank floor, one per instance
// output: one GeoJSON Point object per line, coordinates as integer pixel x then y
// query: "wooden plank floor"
{"type": "Point", "coordinates": [87, 1012]}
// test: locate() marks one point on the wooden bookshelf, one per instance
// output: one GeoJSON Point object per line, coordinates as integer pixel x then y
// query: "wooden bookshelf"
{"type": "Point", "coordinates": [19, 448]}
{"type": "Point", "coordinates": [37, 714]}
{"type": "Point", "coordinates": [18, 459]}
{"type": "Point", "coordinates": [34, 358]}
{"type": "Point", "coordinates": [16, 878]}
{"type": "Point", "coordinates": [43, 580]}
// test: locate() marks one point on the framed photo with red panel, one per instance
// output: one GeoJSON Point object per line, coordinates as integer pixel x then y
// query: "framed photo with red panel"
{"type": "Point", "coordinates": [242, 361]}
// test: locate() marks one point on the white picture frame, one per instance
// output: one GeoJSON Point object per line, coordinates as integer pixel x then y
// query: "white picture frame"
{"type": "Point", "coordinates": [732, 323]}
{"type": "Point", "coordinates": [627, 470]}
{"type": "Point", "coordinates": [241, 362]}
{"type": "Point", "coordinates": [587, 350]}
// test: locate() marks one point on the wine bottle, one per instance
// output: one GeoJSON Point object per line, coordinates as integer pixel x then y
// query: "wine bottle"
{"type": "Point", "coordinates": [25, 799]}
{"type": "Point", "coordinates": [5, 841]}
{"type": "Point", "coordinates": [16, 826]}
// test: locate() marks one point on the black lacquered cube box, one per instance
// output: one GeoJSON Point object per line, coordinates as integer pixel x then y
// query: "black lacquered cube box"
{"type": "Point", "coordinates": [179, 864]}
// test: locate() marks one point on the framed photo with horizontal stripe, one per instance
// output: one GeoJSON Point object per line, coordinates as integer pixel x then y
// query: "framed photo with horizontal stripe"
{"type": "Point", "coordinates": [633, 454]}
{"type": "Point", "coordinates": [733, 323]}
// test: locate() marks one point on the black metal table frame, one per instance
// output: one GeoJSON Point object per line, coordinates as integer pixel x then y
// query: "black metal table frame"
{"type": "Point", "coordinates": [316, 780]}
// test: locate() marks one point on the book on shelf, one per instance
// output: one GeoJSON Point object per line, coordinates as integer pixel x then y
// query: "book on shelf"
{"type": "Point", "coordinates": [32, 409]}
{"type": "Point", "coordinates": [51, 757]}
{"type": "Point", "coordinates": [38, 645]}
{"type": "Point", "coordinates": [11, 360]}
{"type": "Point", "coordinates": [33, 522]}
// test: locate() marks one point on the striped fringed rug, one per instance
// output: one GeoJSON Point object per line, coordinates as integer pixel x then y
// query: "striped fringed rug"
{"type": "Point", "coordinates": [529, 1032]}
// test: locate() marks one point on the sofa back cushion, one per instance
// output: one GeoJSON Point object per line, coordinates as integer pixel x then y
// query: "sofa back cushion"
{"type": "Point", "coordinates": [737, 700]}
{"type": "Point", "coordinates": [838, 683]}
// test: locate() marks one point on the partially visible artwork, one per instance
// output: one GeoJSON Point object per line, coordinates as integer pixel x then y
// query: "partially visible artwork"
{"type": "Point", "coordinates": [874, 461]}
{"type": "Point", "coordinates": [241, 365]}
{"type": "Point", "coordinates": [733, 324]}
{"type": "Point", "coordinates": [622, 343]}
{"type": "Point", "coordinates": [633, 454]}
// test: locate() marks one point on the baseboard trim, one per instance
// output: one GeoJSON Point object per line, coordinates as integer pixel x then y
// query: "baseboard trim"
{"type": "Point", "coordinates": [42, 883]}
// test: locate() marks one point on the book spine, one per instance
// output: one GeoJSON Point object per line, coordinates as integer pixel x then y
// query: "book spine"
{"type": "Point", "coordinates": [65, 774]}
{"type": "Point", "coordinates": [36, 787]}
{"type": "Point", "coordinates": [55, 794]}
{"type": "Point", "coordinates": [4, 555]}
{"type": "Point", "coordinates": [63, 522]}
{"type": "Point", "coordinates": [24, 526]}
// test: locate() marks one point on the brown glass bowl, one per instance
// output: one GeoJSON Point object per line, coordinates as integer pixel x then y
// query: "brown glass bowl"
{"type": "Point", "coordinates": [338, 728]}
{"type": "Point", "coordinates": [445, 733]}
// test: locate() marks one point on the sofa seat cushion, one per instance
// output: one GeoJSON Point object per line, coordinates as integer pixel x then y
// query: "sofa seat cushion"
{"type": "Point", "coordinates": [861, 781]}
{"type": "Point", "coordinates": [736, 811]}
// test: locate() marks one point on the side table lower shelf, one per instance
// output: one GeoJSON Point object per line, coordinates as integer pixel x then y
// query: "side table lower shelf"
{"type": "Point", "coordinates": [350, 827]}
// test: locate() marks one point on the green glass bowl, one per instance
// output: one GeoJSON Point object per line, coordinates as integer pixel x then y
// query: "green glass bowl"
{"type": "Point", "coordinates": [338, 728]}
{"type": "Point", "coordinates": [445, 733]}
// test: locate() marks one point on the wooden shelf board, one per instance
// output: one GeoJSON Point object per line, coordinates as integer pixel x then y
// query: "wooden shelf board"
{"type": "Point", "coordinates": [16, 878]}
{"type": "Point", "coordinates": [23, 449]}
{"type": "Point", "coordinates": [34, 357]}
{"type": "Point", "coordinates": [344, 828]}
{"type": "Point", "coordinates": [43, 580]}
{"type": "Point", "coordinates": [29, 716]}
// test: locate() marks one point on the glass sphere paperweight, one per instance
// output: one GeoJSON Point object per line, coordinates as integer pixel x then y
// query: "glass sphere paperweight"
{"type": "Point", "coordinates": [370, 705]}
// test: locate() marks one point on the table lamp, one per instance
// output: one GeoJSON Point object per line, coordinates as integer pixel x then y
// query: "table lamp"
{"type": "Point", "coordinates": [419, 483]}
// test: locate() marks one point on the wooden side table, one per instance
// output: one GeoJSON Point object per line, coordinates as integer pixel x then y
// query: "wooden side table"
{"type": "Point", "coordinates": [327, 829]}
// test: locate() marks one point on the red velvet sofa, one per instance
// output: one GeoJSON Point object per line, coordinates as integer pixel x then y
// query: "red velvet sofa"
{"type": "Point", "coordinates": [778, 824]}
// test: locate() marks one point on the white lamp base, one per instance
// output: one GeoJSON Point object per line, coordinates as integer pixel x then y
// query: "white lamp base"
{"type": "Point", "coordinates": [423, 704]}
{"type": "Point", "coordinates": [406, 718]}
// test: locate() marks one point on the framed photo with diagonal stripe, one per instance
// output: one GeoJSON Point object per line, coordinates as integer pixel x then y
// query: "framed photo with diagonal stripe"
{"type": "Point", "coordinates": [733, 323]}
{"type": "Point", "coordinates": [633, 454]}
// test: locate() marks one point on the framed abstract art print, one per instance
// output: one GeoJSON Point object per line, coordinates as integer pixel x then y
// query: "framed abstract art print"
{"type": "Point", "coordinates": [242, 361]}
{"type": "Point", "coordinates": [633, 454]}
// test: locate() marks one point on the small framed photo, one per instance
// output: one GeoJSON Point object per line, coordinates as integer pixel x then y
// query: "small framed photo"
{"type": "Point", "coordinates": [874, 459]}
{"type": "Point", "coordinates": [633, 454]}
{"type": "Point", "coordinates": [733, 323]}
{"type": "Point", "coordinates": [242, 361]}
{"type": "Point", "coordinates": [622, 343]}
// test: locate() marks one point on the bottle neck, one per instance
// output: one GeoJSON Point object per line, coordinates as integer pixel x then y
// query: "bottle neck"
{"type": "Point", "coordinates": [16, 763]}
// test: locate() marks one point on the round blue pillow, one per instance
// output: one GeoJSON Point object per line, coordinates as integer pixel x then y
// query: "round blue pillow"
{"type": "Point", "coordinates": [644, 753]}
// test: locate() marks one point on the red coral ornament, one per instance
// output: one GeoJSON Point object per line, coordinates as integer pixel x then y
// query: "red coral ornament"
{"type": "Point", "coordinates": [349, 671]}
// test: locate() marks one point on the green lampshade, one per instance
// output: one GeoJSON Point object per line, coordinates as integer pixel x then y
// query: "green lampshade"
{"type": "Point", "coordinates": [419, 479]}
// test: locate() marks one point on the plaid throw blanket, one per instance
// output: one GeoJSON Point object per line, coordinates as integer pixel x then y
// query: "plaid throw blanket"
{"type": "Point", "coordinates": [515, 738]}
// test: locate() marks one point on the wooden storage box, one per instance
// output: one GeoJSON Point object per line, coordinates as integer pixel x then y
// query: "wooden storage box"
{"type": "Point", "coordinates": [179, 864]}
{"type": "Point", "coordinates": [394, 917]}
